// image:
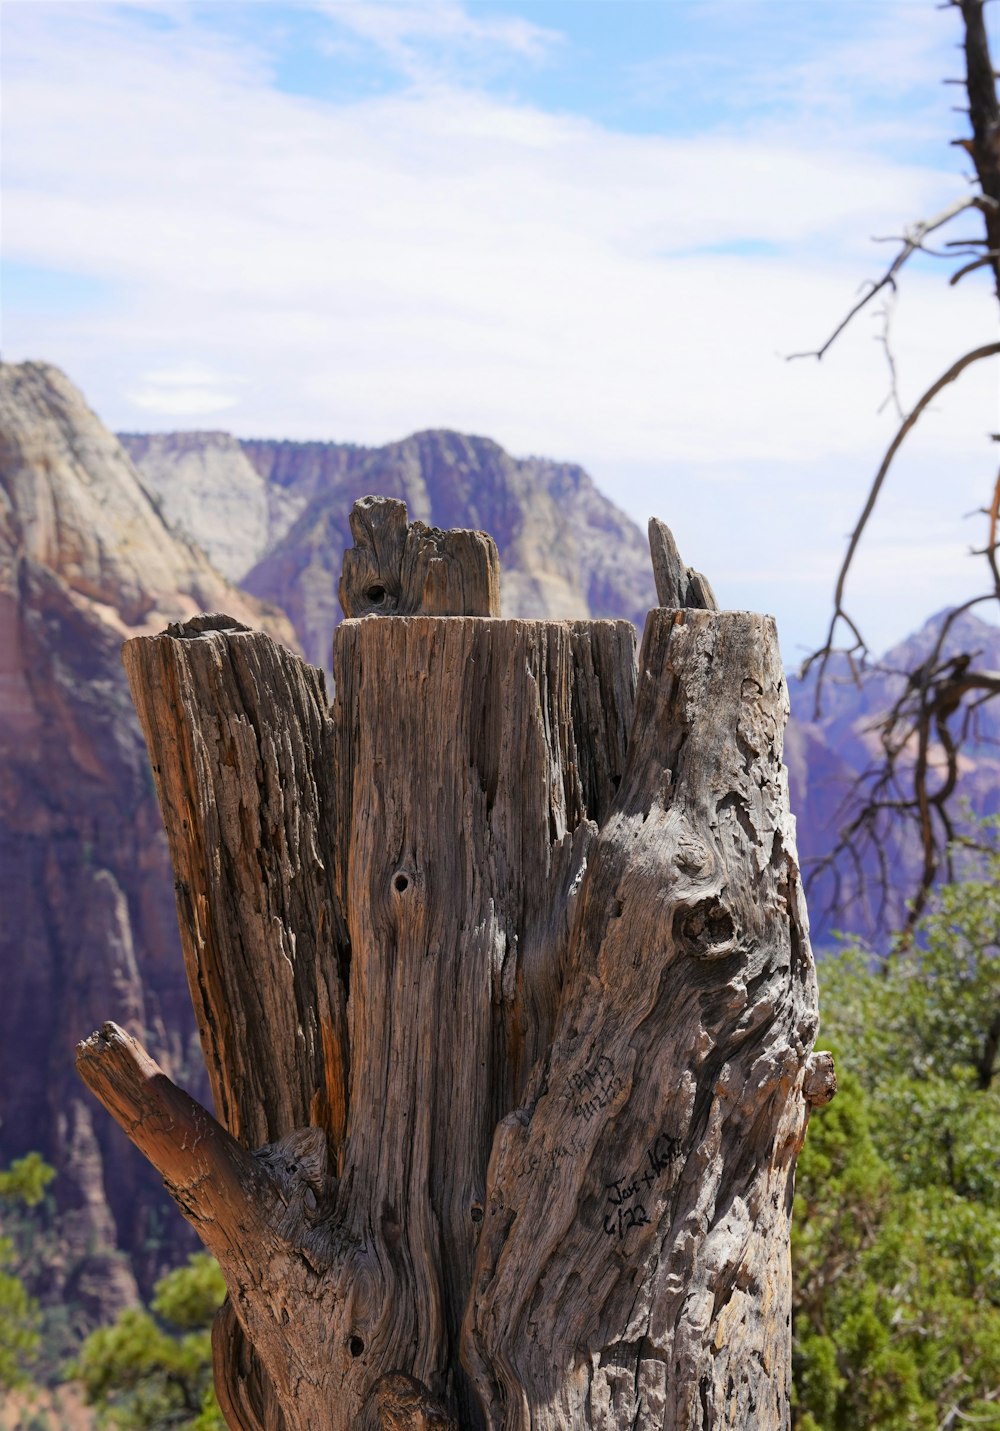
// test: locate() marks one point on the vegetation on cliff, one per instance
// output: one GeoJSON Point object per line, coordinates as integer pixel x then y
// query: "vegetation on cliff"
{"type": "Point", "coordinates": [897, 1214]}
{"type": "Point", "coordinates": [24, 1183]}
{"type": "Point", "coordinates": [152, 1369]}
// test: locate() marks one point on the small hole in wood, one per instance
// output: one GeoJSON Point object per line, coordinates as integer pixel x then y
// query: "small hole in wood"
{"type": "Point", "coordinates": [375, 594]}
{"type": "Point", "coordinates": [401, 883]}
{"type": "Point", "coordinates": [355, 1346]}
{"type": "Point", "coordinates": [477, 1212]}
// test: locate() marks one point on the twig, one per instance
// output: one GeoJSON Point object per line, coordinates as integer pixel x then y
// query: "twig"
{"type": "Point", "coordinates": [988, 350]}
{"type": "Point", "coordinates": [911, 241]}
{"type": "Point", "coordinates": [981, 262]}
{"type": "Point", "coordinates": [892, 396]}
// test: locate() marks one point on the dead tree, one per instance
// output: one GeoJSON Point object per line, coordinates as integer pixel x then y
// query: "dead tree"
{"type": "Point", "coordinates": [913, 783]}
{"type": "Point", "coordinates": [503, 980]}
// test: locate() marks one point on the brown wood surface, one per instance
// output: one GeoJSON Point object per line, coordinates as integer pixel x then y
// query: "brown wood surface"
{"type": "Point", "coordinates": [502, 967]}
{"type": "Point", "coordinates": [396, 568]}
{"type": "Point", "coordinates": [240, 740]}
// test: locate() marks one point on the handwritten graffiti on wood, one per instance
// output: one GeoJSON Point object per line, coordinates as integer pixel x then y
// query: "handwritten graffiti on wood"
{"type": "Point", "coordinates": [623, 1195]}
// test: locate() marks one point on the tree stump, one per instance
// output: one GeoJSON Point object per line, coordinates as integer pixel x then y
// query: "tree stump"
{"type": "Point", "coordinates": [503, 979]}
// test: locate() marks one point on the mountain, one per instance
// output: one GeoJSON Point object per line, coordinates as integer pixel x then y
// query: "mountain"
{"type": "Point", "coordinates": [94, 549]}
{"type": "Point", "coordinates": [89, 929]}
{"type": "Point", "coordinates": [235, 499]}
{"type": "Point", "coordinates": [565, 550]}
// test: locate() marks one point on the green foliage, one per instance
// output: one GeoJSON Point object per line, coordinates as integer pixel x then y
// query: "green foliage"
{"type": "Point", "coordinates": [26, 1180]}
{"type": "Point", "coordinates": [150, 1372]}
{"type": "Point", "coordinates": [897, 1212]}
{"type": "Point", "coordinates": [190, 1296]}
{"type": "Point", "coordinates": [23, 1182]}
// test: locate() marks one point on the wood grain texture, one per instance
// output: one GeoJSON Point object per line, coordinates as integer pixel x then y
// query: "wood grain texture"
{"type": "Point", "coordinates": [258, 1213]}
{"type": "Point", "coordinates": [205, 1170]}
{"type": "Point", "coordinates": [243, 1389]}
{"type": "Point", "coordinates": [677, 585]}
{"type": "Point", "coordinates": [397, 568]}
{"type": "Point", "coordinates": [469, 828]}
{"type": "Point", "coordinates": [241, 744]}
{"type": "Point", "coordinates": [502, 968]}
{"type": "Point", "coordinates": [633, 1268]}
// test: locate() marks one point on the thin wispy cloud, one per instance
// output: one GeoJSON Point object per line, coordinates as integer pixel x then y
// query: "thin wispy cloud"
{"type": "Point", "coordinates": [188, 391]}
{"type": "Point", "coordinates": [426, 37]}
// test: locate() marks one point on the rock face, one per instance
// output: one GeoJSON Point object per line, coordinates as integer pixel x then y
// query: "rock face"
{"type": "Point", "coordinates": [565, 550]}
{"type": "Point", "coordinates": [235, 499]}
{"type": "Point", "coordinates": [88, 929]}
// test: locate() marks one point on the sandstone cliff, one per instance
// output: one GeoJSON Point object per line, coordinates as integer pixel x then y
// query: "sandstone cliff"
{"type": "Point", "coordinates": [86, 559]}
{"type": "Point", "coordinates": [235, 499]}
{"type": "Point", "coordinates": [88, 929]}
{"type": "Point", "coordinates": [565, 551]}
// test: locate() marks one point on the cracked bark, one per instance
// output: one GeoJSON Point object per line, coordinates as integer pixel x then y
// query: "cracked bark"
{"type": "Point", "coordinates": [502, 966]}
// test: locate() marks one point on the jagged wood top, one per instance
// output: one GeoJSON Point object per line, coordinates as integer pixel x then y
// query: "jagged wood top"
{"type": "Point", "coordinates": [400, 568]}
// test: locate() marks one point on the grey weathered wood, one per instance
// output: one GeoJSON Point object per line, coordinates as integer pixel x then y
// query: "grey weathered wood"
{"type": "Point", "coordinates": [505, 962]}
{"type": "Point", "coordinates": [397, 568]}
{"type": "Point", "coordinates": [677, 585]}
{"type": "Point", "coordinates": [240, 739]}
{"type": "Point", "coordinates": [634, 1262]}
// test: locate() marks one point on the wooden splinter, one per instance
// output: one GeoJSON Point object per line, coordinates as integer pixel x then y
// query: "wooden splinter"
{"type": "Point", "coordinates": [677, 585]}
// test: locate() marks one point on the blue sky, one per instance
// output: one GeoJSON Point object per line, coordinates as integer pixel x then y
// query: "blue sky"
{"type": "Point", "coordinates": [590, 230]}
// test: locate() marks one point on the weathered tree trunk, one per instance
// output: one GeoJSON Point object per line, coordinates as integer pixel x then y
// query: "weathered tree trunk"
{"type": "Point", "coordinates": [502, 967]}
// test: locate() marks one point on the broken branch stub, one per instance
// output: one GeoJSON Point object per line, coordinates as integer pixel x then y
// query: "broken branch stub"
{"type": "Point", "coordinates": [505, 962]}
{"type": "Point", "coordinates": [677, 585]}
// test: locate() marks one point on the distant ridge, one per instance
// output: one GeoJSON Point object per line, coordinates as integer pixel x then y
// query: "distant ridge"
{"type": "Point", "coordinates": [89, 555]}
{"type": "Point", "coordinates": [279, 511]}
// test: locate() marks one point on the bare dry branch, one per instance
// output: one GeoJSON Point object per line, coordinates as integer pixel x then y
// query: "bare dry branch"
{"type": "Point", "coordinates": [981, 262]}
{"type": "Point", "coordinates": [911, 241]}
{"type": "Point", "coordinates": [822, 656]}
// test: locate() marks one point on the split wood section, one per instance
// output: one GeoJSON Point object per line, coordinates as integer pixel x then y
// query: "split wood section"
{"type": "Point", "coordinates": [504, 961]}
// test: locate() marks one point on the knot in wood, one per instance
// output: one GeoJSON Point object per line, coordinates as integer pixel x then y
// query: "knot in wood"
{"type": "Point", "coordinates": [402, 1403]}
{"type": "Point", "coordinates": [820, 1081]}
{"type": "Point", "coordinates": [705, 930]}
{"type": "Point", "coordinates": [400, 568]}
{"type": "Point", "coordinates": [297, 1163]}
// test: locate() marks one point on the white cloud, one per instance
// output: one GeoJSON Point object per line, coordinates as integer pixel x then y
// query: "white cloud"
{"type": "Point", "coordinates": [185, 391]}
{"type": "Point", "coordinates": [440, 257]}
